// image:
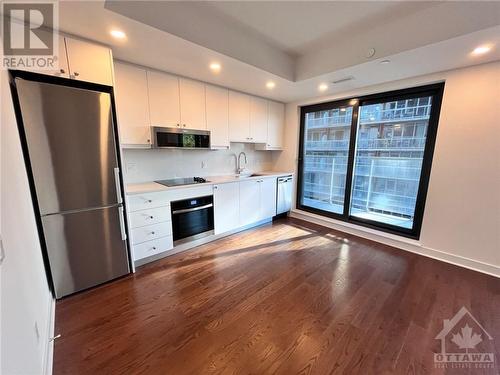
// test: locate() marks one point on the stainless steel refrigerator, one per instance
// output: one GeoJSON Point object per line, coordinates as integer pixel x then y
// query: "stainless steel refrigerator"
{"type": "Point", "coordinates": [72, 158]}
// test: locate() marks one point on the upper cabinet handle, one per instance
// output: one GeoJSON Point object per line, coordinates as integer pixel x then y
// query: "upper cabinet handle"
{"type": "Point", "coordinates": [62, 71]}
{"type": "Point", "coordinates": [77, 74]}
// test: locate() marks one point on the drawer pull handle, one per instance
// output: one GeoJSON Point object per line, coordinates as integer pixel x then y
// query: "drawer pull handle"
{"type": "Point", "coordinates": [150, 201]}
{"type": "Point", "coordinates": [153, 232]}
{"type": "Point", "coordinates": [151, 217]}
{"type": "Point", "coordinates": [154, 248]}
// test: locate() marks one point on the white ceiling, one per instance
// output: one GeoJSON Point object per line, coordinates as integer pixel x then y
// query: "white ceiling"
{"type": "Point", "coordinates": [254, 47]}
{"type": "Point", "coordinates": [300, 27]}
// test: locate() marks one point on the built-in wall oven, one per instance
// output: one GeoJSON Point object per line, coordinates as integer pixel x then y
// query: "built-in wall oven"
{"type": "Point", "coordinates": [192, 218]}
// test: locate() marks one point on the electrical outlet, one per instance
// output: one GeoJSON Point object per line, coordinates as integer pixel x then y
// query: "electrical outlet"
{"type": "Point", "coordinates": [203, 164]}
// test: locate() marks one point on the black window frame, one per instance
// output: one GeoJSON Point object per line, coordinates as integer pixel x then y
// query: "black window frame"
{"type": "Point", "coordinates": [436, 91]}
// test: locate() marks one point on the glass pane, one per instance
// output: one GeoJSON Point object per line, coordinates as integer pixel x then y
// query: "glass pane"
{"type": "Point", "coordinates": [326, 148]}
{"type": "Point", "coordinates": [389, 152]}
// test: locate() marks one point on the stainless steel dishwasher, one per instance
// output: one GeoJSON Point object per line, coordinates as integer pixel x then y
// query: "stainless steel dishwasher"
{"type": "Point", "coordinates": [284, 195]}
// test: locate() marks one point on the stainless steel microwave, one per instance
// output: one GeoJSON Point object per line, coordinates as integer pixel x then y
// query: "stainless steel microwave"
{"type": "Point", "coordinates": [180, 138]}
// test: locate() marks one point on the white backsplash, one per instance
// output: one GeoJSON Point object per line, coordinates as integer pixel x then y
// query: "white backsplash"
{"type": "Point", "coordinates": [143, 165]}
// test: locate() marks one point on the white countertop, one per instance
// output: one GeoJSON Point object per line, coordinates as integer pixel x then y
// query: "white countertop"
{"type": "Point", "coordinates": [150, 187]}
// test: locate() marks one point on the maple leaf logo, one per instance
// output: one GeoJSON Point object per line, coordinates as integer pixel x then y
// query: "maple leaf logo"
{"type": "Point", "coordinates": [467, 340]}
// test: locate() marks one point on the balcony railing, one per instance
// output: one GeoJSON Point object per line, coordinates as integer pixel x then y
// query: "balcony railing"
{"type": "Point", "coordinates": [369, 144]}
{"type": "Point", "coordinates": [324, 122]}
{"type": "Point", "coordinates": [421, 112]}
{"type": "Point", "coordinates": [337, 145]}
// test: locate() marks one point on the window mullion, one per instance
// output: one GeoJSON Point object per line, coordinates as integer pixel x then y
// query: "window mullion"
{"type": "Point", "coordinates": [350, 159]}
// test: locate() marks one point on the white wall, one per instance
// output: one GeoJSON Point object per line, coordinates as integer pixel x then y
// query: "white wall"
{"type": "Point", "coordinates": [462, 215]}
{"type": "Point", "coordinates": [26, 301]}
{"type": "Point", "coordinates": [150, 165]}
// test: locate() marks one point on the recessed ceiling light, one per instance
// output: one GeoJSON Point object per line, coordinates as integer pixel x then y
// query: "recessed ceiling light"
{"type": "Point", "coordinates": [323, 87]}
{"type": "Point", "coordinates": [270, 85]}
{"type": "Point", "coordinates": [215, 67]}
{"type": "Point", "coordinates": [342, 109]}
{"type": "Point", "coordinates": [118, 34]}
{"type": "Point", "coordinates": [481, 50]}
{"type": "Point", "coordinates": [385, 61]}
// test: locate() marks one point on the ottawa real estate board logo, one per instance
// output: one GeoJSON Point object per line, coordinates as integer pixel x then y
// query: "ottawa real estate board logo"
{"type": "Point", "coordinates": [465, 344]}
{"type": "Point", "coordinates": [28, 40]}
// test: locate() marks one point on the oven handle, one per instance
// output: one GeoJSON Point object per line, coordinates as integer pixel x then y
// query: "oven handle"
{"type": "Point", "coordinates": [192, 209]}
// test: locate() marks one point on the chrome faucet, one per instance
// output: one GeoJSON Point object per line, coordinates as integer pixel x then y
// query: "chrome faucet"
{"type": "Point", "coordinates": [238, 166]}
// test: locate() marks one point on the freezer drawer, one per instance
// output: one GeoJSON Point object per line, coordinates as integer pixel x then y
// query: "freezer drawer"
{"type": "Point", "coordinates": [85, 248]}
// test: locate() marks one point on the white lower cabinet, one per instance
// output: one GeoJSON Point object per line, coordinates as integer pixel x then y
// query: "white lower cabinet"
{"type": "Point", "coordinates": [268, 190]}
{"type": "Point", "coordinates": [257, 200]}
{"type": "Point", "coordinates": [153, 247]}
{"type": "Point", "coordinates": [151, 232]}
{"type": "Point", "coordinates": [150, 216]}
{"type": "Point", "coordinates": [249, 202]}
{"type": "Point", "coordinates": [150, 224]}
{"type": "Point", "coordinates": [226, 207]}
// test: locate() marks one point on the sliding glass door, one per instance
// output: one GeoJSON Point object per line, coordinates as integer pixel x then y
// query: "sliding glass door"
{"type": "Point", "coordinates": [367, 160]}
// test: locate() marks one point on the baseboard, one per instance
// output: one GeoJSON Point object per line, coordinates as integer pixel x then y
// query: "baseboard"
{"type": "Point", "coordinates": [49, 348]}
{"type": "Point", "coordinates": [400, 243]}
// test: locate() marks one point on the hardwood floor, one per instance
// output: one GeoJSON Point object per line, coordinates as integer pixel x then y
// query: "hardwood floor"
{"type": "Point", "coordinates": [286, 298]}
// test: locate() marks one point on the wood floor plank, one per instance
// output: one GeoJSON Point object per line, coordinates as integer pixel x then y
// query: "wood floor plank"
{"type": "Point", "coordinates": [286, 298]}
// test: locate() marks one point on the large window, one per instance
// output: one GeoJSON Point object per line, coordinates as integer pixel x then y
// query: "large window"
{"type": "Point", "coordinates": [367, 160]}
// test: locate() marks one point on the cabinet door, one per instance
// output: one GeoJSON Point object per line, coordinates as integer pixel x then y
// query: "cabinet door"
{"type": "Point", "coordinates": [131, 93]}
{"type": "Point", "coordinates": [226, 206]}
{"type": "Point", "coordinates": [217, 116]}
{"type": "Point", "coordinates": [193, 112]}
{"type": "Point", "coordinates": [258, 120]}
{"type": "Point", "coordinates": [239, 117]}
{"type": "Point", "coordinates": [267, 197]}
{"type": "Point", "coordinates": [164, 105]}
{"type": "Point", "coordinates": [89, 62]}
{"type": "Point", "coordinates": [249, 202]}
{"type": "Point", "coordinates": [61, 65]}
{"type": "Point", "coordinates": [276, 125]}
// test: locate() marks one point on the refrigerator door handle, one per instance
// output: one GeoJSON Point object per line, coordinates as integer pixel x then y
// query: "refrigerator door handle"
{"type": "Point", "coordinates": [118, 186]}
{"type": "Point", "coordinates": [122, 223]}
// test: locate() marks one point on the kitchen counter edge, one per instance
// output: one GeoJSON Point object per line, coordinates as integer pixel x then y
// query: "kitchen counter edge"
{"type": "Point", "coordinates": [151, 187]}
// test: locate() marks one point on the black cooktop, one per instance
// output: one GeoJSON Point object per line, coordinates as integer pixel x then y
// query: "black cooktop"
{"type": "Point", "coordinates": [182, 181]}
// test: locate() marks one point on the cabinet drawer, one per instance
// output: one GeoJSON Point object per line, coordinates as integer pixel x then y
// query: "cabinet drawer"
{"type": "Point", "coordinates": [138, 202]}
{"type": "Point", "coordinates": [153, 247]}
{"type": "Point", "coordinates": [151, 232]}
{"type": "Point", "coordinates": [148, 217]}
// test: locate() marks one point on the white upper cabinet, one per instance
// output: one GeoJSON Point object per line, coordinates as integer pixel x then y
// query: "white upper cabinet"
{"type": "Point", "coordinates": [62, 69]}
{"type": "Point", "coordinates": [89, 62]}
{"type": "Point", "coordinates": [131, 93]}
{"type": "Point", "coordinates": [164, 102]}
{"type": "Point", "coordinates": [81, 60]}
{"type": "Point", "coordinates": [239, 117]}
{"type": "Point", "coordinates": [217, 116]}
{"type": "Point", "coordinates": [276, 125]}
{"type": "Point", "coordinates": [258, 120]}
{"type": "Point", "coordinates": [192, 99]}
